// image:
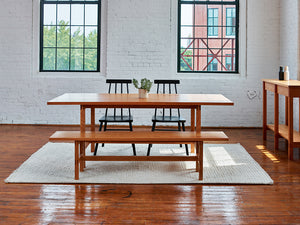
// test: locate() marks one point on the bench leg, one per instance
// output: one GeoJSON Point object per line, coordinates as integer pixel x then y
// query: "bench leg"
{"type": "Point", "coordinates": [77, 145]}
{"type": "Point", "coordinates": [82, 154]}
{"type": "Point", "coordinates": [199, 149]}
{"type": "Point", "coordinates": [197, 162]}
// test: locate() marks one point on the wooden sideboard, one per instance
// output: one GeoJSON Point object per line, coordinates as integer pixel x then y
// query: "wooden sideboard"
{"type": "Point", "coordinates": [290, 89]}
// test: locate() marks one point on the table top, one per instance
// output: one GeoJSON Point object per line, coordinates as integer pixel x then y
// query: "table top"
{"type": "Point", "coordinates": [286, 83]}
{"type": "Point", "coordinates": [132, 100]}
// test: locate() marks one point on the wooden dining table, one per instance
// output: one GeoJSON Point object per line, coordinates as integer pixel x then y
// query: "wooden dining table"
{"type": "Point", "coordinates": [91, 101]}
{"type": "Point", "coordinates": [101, 100]}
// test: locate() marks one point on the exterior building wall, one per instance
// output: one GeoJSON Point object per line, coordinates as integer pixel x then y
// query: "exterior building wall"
{"type": "Point", "coordinates": [141, 41]}
{"type": "Point", "coordinates": [222, 46]}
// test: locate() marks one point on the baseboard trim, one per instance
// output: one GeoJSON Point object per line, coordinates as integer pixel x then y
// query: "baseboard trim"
{"type": "Point", "coordinates": [123, 126]}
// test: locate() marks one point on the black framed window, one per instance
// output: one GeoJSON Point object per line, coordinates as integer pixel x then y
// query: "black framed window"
{"type": "Point", "coordinates": [208, 36]}
{"type": "Point", "coordinates": [70, 35]}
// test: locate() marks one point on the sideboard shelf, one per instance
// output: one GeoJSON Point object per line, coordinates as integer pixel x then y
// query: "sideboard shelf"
{"type": "Point", "coordinates": [290, 89]}
{"type": "Point", "coordinates": [283, 131]}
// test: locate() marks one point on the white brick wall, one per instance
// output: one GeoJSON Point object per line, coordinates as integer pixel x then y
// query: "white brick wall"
{"type": "Point", "coordinates": [289, 47]}
{"type": "Point", "coordinates": [140, 42]}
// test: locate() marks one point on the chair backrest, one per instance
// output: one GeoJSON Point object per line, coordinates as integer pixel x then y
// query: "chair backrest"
{"type": "Point", "coordinates": [118, 86]}
{"type": "Point", "coordinates": [166, 87]}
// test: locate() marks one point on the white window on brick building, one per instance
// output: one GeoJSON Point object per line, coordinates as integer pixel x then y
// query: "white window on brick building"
{"type": "Point", "coordinates": [212, 21]}
{"type": "Point", "coordinates": [212, 64]}
{"type": "Point", "coordinates": [70, 35]}
{"type": "Point", "coordinates": [230, 21]}
{"type": "Point", "coordinates": [208, 40]}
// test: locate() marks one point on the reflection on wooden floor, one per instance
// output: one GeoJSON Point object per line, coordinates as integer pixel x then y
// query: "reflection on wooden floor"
{"type": "Point", "coordinates": [150, 204]}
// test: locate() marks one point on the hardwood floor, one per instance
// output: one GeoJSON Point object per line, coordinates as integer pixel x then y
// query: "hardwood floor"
{"type": "Point", "coordinates": [149, 204]}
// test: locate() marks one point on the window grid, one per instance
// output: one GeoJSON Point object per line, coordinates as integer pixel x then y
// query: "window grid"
{"type": "Point", "coordinates": [190, 48]}
{"type": "Point", "coordinates": [75, 61]}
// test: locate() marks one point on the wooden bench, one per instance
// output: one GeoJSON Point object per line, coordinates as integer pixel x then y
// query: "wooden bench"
{"type": "Point", "coordinates": [138, 137]}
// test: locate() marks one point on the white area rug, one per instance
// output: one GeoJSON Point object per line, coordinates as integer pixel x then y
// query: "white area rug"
{"type": "Point", "coordinates": [223, 164]}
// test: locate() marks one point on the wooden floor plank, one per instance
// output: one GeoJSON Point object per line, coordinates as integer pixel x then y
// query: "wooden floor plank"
{"type": "Point", "coordinates": [149, 204]}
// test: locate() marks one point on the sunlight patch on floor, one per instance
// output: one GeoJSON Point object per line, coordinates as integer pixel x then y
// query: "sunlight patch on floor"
{"type": "Point", "coordinates": [265, 151]}
{"type": "Point", "coordinates": [221, 157]}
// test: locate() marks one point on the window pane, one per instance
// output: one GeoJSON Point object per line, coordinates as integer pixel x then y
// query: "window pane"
{"type": "Point", "coordinates": [77, 14]}
{"type": "Point", "coordinates": [63, 14]}
{"type": "Point", "coordinates": [77, 36]}
{"type": "Point", "coordinates": [63, 36]}
{"type": "Point", "coordinates": [186, 32]}
{"type": "Point", "coordinates": [187, 14]}
{"type": "Point", "coordinates": [200, 15]}
{"type": "Point", "coordinates": [62, 59]}
{"type": "Point", "coordinates": [49, 36]}
{"type": "Point", "coordinates": [49, 59]}
{"type": "Point", "coordinates": [91, 15]}
{"type": "Point", "coordinates": [90, 59]}
{"type": "Point", "coordinates": [76, 59]}
{"type": "Point", "coordinates": [230, 21]}
{"type": "Point", "coordinates": [91, 37]}
{"type": "Point", "coordinates": [186, 60]}
{"type": "Point", "coordinates": [50, 14]}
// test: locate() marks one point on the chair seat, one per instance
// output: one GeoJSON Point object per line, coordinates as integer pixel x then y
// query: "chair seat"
{"type": "Point", "coordinates": [167, 119]}
{"type": "Point", "coordinates": [116, 119]}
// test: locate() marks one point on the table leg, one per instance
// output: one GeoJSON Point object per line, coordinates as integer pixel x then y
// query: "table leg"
{"type": "Point", "coordinates": [81, 155]}
{"type": "Point", "coordinates": [299, 114]}
{"type": "Point", "coordinates": [264, 112]}
{"type": "Point", "coordinates": [76, 160]}
{"type": "Point", "coordinates": [197, 162]}
{"type": "Point", "coordinates": [290, 127]}
{"type": "Point", "coordinates": [198, 119]}
{"type": "Point", "coordinates": [192, 128]}
{"type": "Point", "coordinates": [287, 118]}
{"type": "Point", "coordinates": [287, 110]}
{"type": "Point", "coordinates": [93, 127]}
{"type": "Point", "coordinates": [276, 119]}
{"type": "Point", "coordinates": [82, 118]}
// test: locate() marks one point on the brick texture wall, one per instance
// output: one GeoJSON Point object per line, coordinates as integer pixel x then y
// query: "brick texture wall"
{"type": "Point", "coordinates": [289, 47]}
{"type": "Point", "coordinates": [141, 41]}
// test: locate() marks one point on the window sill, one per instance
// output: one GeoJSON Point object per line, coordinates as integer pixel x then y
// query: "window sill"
{"type": "Point", "coordinates": [210, 76]}
{"type": "Point", "coordinates": [68, 75]}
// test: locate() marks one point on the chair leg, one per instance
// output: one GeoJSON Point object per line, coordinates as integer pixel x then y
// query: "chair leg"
{"type": "Point", "coordinates": [133, 149]}
{"type": "Point", "coordinates": [179, 129]}
{"type": "Point", "coordinates": [186, 146]}
{"type": "Point", "coordinates": [96, 147]}
{"type": "Point", "coordinates": [153, 126]}
{"type": "Point", "coordinates": [105, 127]}
{"type": "Point", "coordinates": [150, 145]}
{"type": "Point", "coordinates": [133, 145]}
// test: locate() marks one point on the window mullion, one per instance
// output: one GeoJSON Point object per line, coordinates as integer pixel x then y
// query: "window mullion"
{"type": "Point", "coordinates": [56, 37]}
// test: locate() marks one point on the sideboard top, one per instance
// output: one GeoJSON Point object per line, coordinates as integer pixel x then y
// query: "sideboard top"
{"type": "Point", "coordinates": [286, 83]}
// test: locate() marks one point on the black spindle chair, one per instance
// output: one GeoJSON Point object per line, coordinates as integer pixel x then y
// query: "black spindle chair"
{"type": "Point", "coordinates": [166, 115]}
{"type": "Point", "coordinates": [116, 115]}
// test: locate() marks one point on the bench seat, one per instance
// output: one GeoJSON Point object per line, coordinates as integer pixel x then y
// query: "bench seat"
{"type": "Point", "coordinates": [138, 137]}
{"type": "Point", "coordinates": [141, 137]}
